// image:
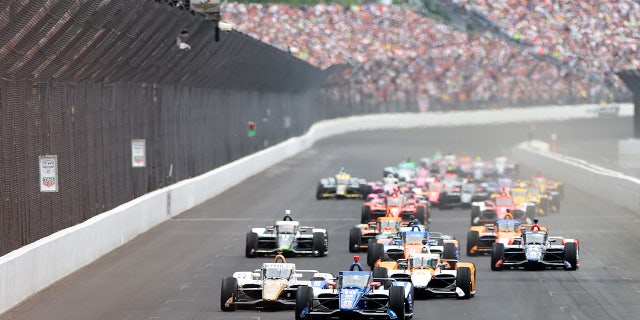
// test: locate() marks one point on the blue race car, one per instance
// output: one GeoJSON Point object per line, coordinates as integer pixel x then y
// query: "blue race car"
{"type": "Point", "coordinates": [357, 294]}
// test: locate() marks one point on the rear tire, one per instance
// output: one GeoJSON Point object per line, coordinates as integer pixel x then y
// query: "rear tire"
{"type": "Point", "coordinates": [463, 281]}
{"type": "Point", "coordinates": [319, 245]}
{"type": "Point", "coordinates": [229, 291]}
{"type": "Point", "coordinates": [421, 214]}
{"type": "Point", "coordinates": [571, 256]}
{"type": "Point", "coordinates": [366, 214]}
{"type": "Point", "coordinates": [473, 239]}
{"type": "Point", "coordinates": [443, 201]}
{"type": "Point", "coordinates": [475, 213]}
{"type": "Point", "coordinates": [355, 239]}
{"type": "Point", "coordinates": [497, 257]}
{"type": "Point", "coordinates": [320, 191]}
{"type": "Point", "coordinates": [396, 301]}
{"type": "Point", "coordinates": [251, 247]}
{"type": "Point", "coordinates": [450, 251]}
{"type": "Point", "coordinates": [377, 253]}
{"type": "Point", "coordinates": [304, 300]}
{"type": "Point", "coordinates": [544, 206]}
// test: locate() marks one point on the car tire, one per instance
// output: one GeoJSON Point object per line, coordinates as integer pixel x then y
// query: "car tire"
{"type": "Point", "coordinates": [320, 191]}
{"type": "Point", "coordinates": [377, 253]}
{"type": "Point", "coordinates": [571, 256]}
{"type": "Point", "coordinates": [443, 201]}
{"type": "Point", "coordinates": [371, 243]}
{"type": "Point", "coordinates": [449, 251]}
{"type": "Point", "coordinates": [497, 257]}
{"type": "Point", "coordinates": [229, 291]}
{"type": "Point", "coordinates": [463, 281]}
{"type": "Point", "coordinates": [355, 239]}
{"type": "Point", "coordinates": [421, 213]}
{"type": "Point", "coordinates": [396, 301]}
{"type": "Point", "coordinates": [381, 273]}
{"type": "Point", "coordinates": [251, 247]}
{"type": "Point", "coordinates": [319, 245]}
{"type": "Point", "coordinates": [365, 217]}
{"type": "Point", "coordinates": [544, 206]}
{"type": "Point", "coordinates": [304, 300]}
{"type": "Point", "coordinates": [475, 213]}
{"type": "Point", "coordinates": [473, 240]}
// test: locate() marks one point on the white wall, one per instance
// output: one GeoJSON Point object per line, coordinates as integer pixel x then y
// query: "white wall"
{"type": "Point", "coordinates": [32, 268]}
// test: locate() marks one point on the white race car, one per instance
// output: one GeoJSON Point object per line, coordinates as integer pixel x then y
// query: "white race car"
{"type": "Point", "coordinates": [273, 286]}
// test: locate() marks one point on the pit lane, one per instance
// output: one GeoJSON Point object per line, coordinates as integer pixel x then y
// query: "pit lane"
{"type": "Point", "coordinates": [174, 271]}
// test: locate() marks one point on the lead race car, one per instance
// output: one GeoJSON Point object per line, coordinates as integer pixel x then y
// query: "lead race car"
{"type": "Point", "coordinates": [357, 294]}
{"type": "Point", "coordinates": [289, 237]}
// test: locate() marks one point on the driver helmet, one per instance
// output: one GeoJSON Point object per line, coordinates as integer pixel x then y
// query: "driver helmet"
{"type": "Point", "coordinates": [341, 169]}
{"type": "Point", "coordinates": [535, 220]}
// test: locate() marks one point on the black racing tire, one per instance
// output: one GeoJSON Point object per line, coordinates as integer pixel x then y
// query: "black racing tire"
{"type": "Point", "coordinates": [555, 204]}
{"type": "Point", "coordinates": [473, 240]}
{"type": "Point", "coordinates": [251, 246]}
{"type": "Point", "coordinates": [319, 245]}
{"type": "Point", "coordinates": [422, 215]}
{"type": "Point", "coordinates": [475, 213]}
{"type": "Point", "coordinates": [365, 217]}
{"type": "Point", "coordinates": [355, 239]}
{"type": "Point", "coordinates": [228, 291]}
{"type": "Point", "coordinates": [449, 251]}
{"type": "Point", "coordinates": [531, 212]}
{"type": "Point", "coordinates": [571, 256]}
{"type": "Point", "coordinates": [381, 273]}
{"type": "Point", "coordinates": [396, 301]}
{"type": "Point", "coordinates": [320, 191]}
{"type": "Point", "coordinates": [304, 299]}
{"type": "Point", "coordinates": [497, 254]}
{"type": "Point", "coordinates": [544, 206]}
{"type": "Point", "coordinates": [463, 281]}
{"type": "Point", "coordinates": [376, 254]}
{"type": "Point", "coordinates": [371, 243]}
{"type": "Point", "coordinates": [365, 190]}
{"type": "Point", "coordinates": [443, 201]}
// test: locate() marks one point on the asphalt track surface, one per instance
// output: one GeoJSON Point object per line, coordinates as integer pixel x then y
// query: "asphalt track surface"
{"type": "Point", "coordinates": [175, 270]}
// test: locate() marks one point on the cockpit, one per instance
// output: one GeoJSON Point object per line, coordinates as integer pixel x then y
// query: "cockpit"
{"type": "Point", "coordinates": [355, 280]}
{"type": "Point", "coordinates": [535, 238]}
{"type": "Point", "coordinates": [280, 271]}
{"type": "Point", "coordinates": [287, 228]}
{"type": "Point", "coordinates": [422, 261]}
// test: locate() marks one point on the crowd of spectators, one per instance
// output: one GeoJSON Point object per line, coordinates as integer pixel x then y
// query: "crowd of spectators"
{"type": "Point", "coordinates": [405, 60]}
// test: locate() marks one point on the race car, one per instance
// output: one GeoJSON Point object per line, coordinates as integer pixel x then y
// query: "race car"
{"type": "Point", "coordinates": [342, 186]}
{"type": "Point", "coordinates": [433, 276]}
{"type": "Point", "coordinates": [536, 250]}
{"type": "Point", "coordinates": [553, 189]}
{"type": "Point", "coordinates": [361, 234]}
{"type": "Point", "coordinates": [415, 240]}
{"type": "Point", "coordinates": [501, 205]}
{"type": "Point", "coordinates": [357, 294]}
{"type": "Point", "coordinates": [480, 239]}
{"type": "Point", "coordinates": [396, 204]}
{"type": "Point", "coordinates": [273, 286]}
{"type": "Point", "coordinates": [289, 237]}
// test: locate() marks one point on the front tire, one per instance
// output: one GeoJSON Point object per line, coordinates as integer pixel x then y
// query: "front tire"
{"type": "Point", "coordinates": [228, 294]}
{"type": "Point", "coordinates": [304, 300]}
{"type": "Point", "coordinates": [463, 281]}
{"type": "Point", "coordinates": [571, 256]}
{"type": "Point", "coordinates": [355, 239]}
{"type": "Point", "coordinates": [473, 239]}
{"type": "Point", "coordinates": [497, 257]}
{"type": "Point", "coordinates": [396, 301]}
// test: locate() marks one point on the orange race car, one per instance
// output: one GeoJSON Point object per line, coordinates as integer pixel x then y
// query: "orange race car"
{"type": "Point", "coordinates": [360, 234]}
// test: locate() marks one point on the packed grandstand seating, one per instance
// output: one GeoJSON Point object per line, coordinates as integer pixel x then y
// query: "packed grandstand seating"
{"type": "Point", "coordinates": [399, 57]}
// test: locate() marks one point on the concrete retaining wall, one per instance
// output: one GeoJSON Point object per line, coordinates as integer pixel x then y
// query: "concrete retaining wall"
{"type": "Point", "coordinates": [32, 268]}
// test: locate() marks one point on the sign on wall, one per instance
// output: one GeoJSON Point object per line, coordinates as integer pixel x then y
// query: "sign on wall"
{"type": "Point", "coordinates": [48, 173]}
{"type": "Point", "coordinates": [138, 153]}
